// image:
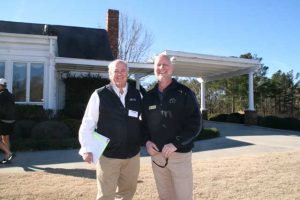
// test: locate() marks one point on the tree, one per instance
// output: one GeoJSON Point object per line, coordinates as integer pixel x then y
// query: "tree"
{"type": "Point", "coordinates": [286, 94]}
{"type": "Point", "coordinates": [134, 40]}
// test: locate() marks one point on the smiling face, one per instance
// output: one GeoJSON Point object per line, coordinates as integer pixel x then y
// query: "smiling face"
{"type": "Point", "coordinates": [118, 73]}
{"type": "Point", "coordinates": [163, 68]}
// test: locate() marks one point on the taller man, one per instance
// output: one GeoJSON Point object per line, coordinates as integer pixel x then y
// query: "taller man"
{"type": "Point", "coordinates": [172, 120]}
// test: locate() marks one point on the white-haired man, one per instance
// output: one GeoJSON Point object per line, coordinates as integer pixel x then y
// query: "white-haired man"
{"type": "Point", "coordinates": [114, 111]}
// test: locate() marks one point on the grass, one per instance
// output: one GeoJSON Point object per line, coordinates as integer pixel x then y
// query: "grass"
{"type": "Point", "coordinates": [267, 176]}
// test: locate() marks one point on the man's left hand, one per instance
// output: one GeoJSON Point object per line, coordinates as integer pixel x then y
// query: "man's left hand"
{"type": "Point", "coordinates": [168, 149]}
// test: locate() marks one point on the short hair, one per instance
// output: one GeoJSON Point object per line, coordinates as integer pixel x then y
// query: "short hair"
{"type": "Point", "coordinates": [171, 59]}
{"type": "Point", "coordinates": [113, 64]}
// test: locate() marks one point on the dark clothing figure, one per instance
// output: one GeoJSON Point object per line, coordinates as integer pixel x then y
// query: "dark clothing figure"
{"type": "Point", "coordinates": [122, 130]}
{"type": "Point", "coordinates": [171, 121]}
{"type": "Point", "coordinates": [7, 120]}
{"type": "Point", "coordinates": [172, 117]}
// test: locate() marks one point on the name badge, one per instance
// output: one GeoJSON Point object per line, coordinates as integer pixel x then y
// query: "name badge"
{"type": "Point", "coordinates": [152, 107]}
{"type": "Point", "coordinates": [132, 113]}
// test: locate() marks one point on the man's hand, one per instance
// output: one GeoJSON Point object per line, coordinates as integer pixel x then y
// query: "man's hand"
{"type": "Point", "coordinates": [168, 149]}
{"type": "Point", "coordinates": [88, 157]}
{"type": "Point", "coordinates": [151, 148]}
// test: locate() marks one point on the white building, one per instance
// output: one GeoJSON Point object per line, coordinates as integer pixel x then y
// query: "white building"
{"type": "Point", "coordinates": [33, 58]}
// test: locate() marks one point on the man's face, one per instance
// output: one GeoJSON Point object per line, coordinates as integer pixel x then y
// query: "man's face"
{"type": "Point", "coordinates": [119, 75]}
{"type": "Point", "coordinates": [163, 69]}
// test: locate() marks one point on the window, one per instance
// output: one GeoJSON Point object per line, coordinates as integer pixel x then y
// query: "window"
{"type": "Point", "coordinates": [28, 82]}
{"type": "Point", "coordinates": [2, 69]}
{"type": "Point", "coordinates": [36, 82]}
{"type": "Point", "coordinates": [19, 81]}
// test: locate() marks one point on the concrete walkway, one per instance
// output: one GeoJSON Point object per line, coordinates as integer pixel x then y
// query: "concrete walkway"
{"type": "Point", "coordinates": [235, 140]}
{"type": "Point", "coordinates": [239, 139]}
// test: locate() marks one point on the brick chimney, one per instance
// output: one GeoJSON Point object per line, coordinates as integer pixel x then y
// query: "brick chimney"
{"type": "Point", "coordinates": [112, 28]}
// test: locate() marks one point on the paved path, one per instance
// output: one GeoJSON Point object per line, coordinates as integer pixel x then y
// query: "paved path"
{"type": "Point", "coordinates": [235, 140]}
{"type": "Point", "coordinates": [239, 139]}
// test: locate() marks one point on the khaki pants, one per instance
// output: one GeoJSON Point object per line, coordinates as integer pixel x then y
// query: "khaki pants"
{"type": "Point", "coordinates": [175, 181]}
{"type": "Point", "coordinates": [117, 178]}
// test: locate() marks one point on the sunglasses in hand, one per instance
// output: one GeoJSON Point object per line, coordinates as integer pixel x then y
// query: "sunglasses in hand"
{"type": "Point", "coordinates": [161, 166]}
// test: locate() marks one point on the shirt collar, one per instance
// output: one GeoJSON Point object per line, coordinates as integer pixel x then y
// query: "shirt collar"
{"type": "Point", "coordinates": [117, 90]}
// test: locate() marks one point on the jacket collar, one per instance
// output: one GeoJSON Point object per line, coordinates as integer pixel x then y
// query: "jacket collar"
{"type": "Point", "coordinates": [170, 87]}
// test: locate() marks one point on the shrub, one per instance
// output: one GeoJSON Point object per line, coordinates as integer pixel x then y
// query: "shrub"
{"type": "Point", "coordinates": [219, 118]}
{"type": "Point", "coordinates": [23, 129]}
{"type": "Point", "coordinates": [291, 123]}
{"type": "Point", "coordinates": [74, 125]}
{"type": "Point", "coordinates": [44, 144]}
{"type": "Point", "coordinates": [74, 110]}
{"type": "Point", "coordinates": [235, 118]}
{"type": "Point", "coordinates": [208, 133]}
{"type": "Point", "coordinates": [279, 123]}
{"type": "Point", "coordinates": [270, 121]}
{"type": "Point", "coordinates": [82, 86]}
{"type": "Point", "coordinates": [32, 112]}
{"type": "Point", "coordinates": [50, 130]}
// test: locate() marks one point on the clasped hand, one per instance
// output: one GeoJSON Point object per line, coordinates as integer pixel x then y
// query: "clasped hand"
{"type": "Point", "coordinates": [167, 150]}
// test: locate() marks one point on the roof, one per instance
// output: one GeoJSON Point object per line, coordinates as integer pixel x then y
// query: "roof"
{"type": "Point", "coordinates": [210, 67]}
{"type": "Point", "coordinates": [186, 64]}
{"type": "Point", "coordinates": [88, 49]}
{"type": "Point", "coordinates": [73, 42]}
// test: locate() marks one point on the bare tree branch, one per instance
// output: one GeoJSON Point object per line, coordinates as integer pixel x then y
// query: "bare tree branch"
{"type": "Point", "coordinates": [134, 41]}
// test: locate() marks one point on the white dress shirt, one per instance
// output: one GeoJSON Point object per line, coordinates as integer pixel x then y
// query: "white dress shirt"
{"type": "Point", "coordinates": [91, 117]}
{"type": "Point", "coordinates": [121, 96]}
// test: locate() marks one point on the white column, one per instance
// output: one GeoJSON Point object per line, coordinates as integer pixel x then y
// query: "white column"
{"type": "Point", "coordinates": [202, 92]}
{"type": "Point", "coordinates": [61, 91]}
{"type": "Point", "coordinates": [52, 78]}
{"type": "Point", "coordinates": [8, 74]}
{"type": "Point", "coordinates": [250, 92]}
{"type": "Point", "coordinates": [203, 96]}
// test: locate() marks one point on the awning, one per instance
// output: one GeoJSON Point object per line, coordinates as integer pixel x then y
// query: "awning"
{"type": "Point", "coordinates": [207, 67]}
{"type": "Point", "coordinates": [210, 67]}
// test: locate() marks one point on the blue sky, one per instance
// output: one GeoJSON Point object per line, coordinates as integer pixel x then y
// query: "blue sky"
{"type": "Point", "coordinates": [268, 28]}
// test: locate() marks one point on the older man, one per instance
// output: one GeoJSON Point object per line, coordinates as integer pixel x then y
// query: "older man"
{"type": "Point", "coordinates": [114, 111]}
{"type": "Point", "coordinates": [172, 120]}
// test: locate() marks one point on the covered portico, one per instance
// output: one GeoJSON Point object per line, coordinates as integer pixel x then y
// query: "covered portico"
{"type": "Point", "coordinates": [209, 68]}
{"type": "Point", "coordinates": [203, 67]}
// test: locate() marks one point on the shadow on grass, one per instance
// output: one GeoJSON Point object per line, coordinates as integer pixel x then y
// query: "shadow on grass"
{"type": "Point", "coordinates": [218, 143]}
{"type": "Point", "coordinates": [80, 173]}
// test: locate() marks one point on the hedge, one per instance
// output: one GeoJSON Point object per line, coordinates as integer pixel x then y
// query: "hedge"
{"type": "Point", "coordinates": [287, 123]}
{"type": "Point", "coordinates": [48, 144]}
{"type": "Point", "coordinates": [208, 133]}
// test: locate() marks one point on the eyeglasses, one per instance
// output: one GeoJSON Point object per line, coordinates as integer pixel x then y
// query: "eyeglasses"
{"type": "Point", "coordinates": [161, 166]}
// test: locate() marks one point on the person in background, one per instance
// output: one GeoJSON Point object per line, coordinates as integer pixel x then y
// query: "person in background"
{"type": "Point", "coordinates": [114, 111]}
{"type": "Point", "coordinates": [7, 120]}
{"type": "Point", "coordinates": [171, 121]}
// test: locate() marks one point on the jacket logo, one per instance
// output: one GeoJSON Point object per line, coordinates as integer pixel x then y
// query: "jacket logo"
{"type": "Point", "coordinates": [132, 99]}
{"type": "Point", "coordinates": [172, 100]}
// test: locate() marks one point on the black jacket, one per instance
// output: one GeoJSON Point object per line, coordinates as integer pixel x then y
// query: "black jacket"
{"type": "Point", "coordinates": [116, 123]}
{"type": "Point", "coordinates": [171, 117]}
{"type": "Point", "coordinates": [7, 105]}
